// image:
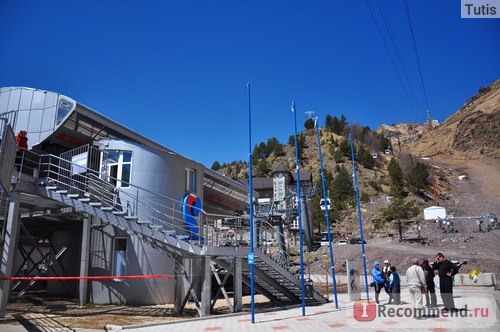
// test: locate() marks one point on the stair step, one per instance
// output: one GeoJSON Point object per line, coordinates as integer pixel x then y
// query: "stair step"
{"type": "Point", "coordinates": [143, 222]}
{"type": "Point", "coordinates": [62, 191]}
{"type": "Point", "coordinates": [118, 213]}
{"type": "Point", "coordinates": [106, 208]}
{"type": "Point", "coordinates": [73, 195]}
{"type": "Point", "coordinates": [95, 203]}
{"type": "Point", "coordinates": [155, 227]}
{"type": "Point", "coordinates": [84, 199]}
{"type": "Point", "coordinates": [130, 217]}
{"type": "Point", "coordinates": [51, 187]}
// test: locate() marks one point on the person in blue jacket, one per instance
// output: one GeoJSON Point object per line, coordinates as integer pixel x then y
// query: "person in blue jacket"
{"type": "Point", "coordinates": [378, 279]}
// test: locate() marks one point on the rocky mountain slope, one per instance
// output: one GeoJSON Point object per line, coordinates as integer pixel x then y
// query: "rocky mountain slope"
{"type": "Point", "coordinates": [471, 132]}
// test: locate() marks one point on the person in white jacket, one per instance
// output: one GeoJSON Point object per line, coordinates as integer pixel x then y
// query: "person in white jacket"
{"type": "Point", "coordinates": [415, 278]}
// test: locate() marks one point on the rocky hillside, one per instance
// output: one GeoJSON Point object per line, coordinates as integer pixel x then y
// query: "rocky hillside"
{"type": "Point", "coordinates": [471, 133]}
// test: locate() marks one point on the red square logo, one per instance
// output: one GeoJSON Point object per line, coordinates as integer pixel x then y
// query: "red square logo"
{"type": "Point", "coordinates": [365, 311]}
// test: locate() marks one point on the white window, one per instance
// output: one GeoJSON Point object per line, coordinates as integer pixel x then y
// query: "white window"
{"type": "Point", "coordinates": [279, 187]}
{"type": "Point", "coordinates": [117, 165]}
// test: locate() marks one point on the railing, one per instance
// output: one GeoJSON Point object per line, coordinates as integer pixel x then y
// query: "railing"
{"type": "Point", "coordinates": [133, 202]}
{"type": "Point", "coordinates": [26, 165]}
{"type": "Point", "coordinates": [150, 209]}
{"type": "Point", "coordinates": [10, 117]}
{"type": "Point", "coordinates": [280, 256]}
{"type": "Point", "coordinates": [146, 207]}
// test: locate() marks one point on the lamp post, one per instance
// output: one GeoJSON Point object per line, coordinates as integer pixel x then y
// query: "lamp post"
{"type": "Point", "coordinates": [301, 245]}
{"type": "Point", "coordinates": [360, 220]}
{"type": "Point", "coordinates": [251, 257]}
{"type": "Point", "coordinates": [327, 216]}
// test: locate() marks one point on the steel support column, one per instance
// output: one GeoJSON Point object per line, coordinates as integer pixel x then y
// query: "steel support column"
{"type": "Point", "coordinates": [178, 286]}
{"type": "Point", "coordinates": [84, 260]}
{"type": "Point", "coordinates": [10, 239]}
{"type": "Point", "coordinates": [206, 289]}
{"type": "Point", "coordinates": [237, 285]}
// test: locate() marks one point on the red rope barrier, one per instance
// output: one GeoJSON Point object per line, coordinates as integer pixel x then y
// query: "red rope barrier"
{"type": "Point", "coordinates": [153, 276]}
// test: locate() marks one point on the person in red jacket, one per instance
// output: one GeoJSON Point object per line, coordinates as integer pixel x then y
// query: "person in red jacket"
{"type": "Point", "coordinates": [22, 140]}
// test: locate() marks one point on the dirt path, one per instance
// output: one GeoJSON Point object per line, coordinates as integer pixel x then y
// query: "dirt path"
{"type": "Point", "coordinates": [486, 176]}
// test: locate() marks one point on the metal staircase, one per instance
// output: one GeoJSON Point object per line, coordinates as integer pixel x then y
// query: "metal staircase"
{"type": "Point", "coordinates": [274, 281]}
{"type": "Point", "coordinates": [159, 224]}
{"type": "Point", "coordinates": [154, 234]}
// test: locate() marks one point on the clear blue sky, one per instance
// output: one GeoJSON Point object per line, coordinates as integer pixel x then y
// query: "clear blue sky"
{"type": "Point", "coordinates": [176, 71]}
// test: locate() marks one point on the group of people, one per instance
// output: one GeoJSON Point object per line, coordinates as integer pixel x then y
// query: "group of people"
{"type": "Point", "coordinates": [388, 279]}
{"type": "Point", "coordinates": [420, 281]}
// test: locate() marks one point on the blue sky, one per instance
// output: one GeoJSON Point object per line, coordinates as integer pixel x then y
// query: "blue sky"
{"type": "Point", "coordinates": [177, 71]}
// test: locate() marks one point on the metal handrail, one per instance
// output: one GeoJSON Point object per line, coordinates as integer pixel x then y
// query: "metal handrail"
{"type": "Point", "coordinates": [283, 257]}
{"type": "Point", "coordinates": [154, 210]}
{"type": "Point", "coordinates": [157, 211]}
{"type": "Point", "coordinates": [148, 207]}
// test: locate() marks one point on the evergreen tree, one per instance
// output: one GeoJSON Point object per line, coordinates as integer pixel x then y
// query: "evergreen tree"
{"type": "Point", "coordinates": [337, 156]}
{"type": "Point", "coordinates": [260, 151]}
{"type": "Point", "coordinates": [345, 148]}
{"type": "Point", "coordinates": [418, 178]}
{"type": "Point", "coordinates": [336, 126]}
{"type": "Point", "coordinates": [274, 146]}
{"type": "Point", "coordinates": [364, 157]}
{"type": "Point", "coordinates": [309, 124]}
{"type": "Point", "coordinates": [328, 180]}
{"type": "Point", "coordinates": [216, 166]}
{"type": "Point", "coordinates": [399, 209]}
{"type": "Point", "coordinates": [342, 186]}
{"type": "Point", "coordinates": [318, 215]}
{"type": "Point", "coordinates": [262, 168]}
{"type": "Point", "coordinates": [329, 123]}
{"type": "Point", "coordinates": [397, 178]}
{"type": "Point", "coordinates": [343, 123]}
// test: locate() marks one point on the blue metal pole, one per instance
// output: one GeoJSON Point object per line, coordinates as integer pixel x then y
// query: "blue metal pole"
{"type": "Point", "coordinates": [250, 203]}
{"type": "Point", "coordinates": [301, 249]}
{"type": "Point", "coordinates": [360, 220]}
{"type": "Point", "coordinates": [327, 215]}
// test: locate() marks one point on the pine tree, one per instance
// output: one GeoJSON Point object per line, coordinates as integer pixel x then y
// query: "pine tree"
{"type": "Point", "coordinates": [418, 177]}
{"type": "Point", "coordinates": [397, 178]}
{"type": "Point", "coordinates": [216, 166]}
{"type": "Point", "coordinates": [309, 124]}
{"type": "Point", "coordinates": [342, 186]}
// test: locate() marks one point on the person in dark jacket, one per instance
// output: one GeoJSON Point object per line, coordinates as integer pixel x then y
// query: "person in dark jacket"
{"type": "Point", "coordinates": [394, 287]}
{"type": "Point", "coordinates": [430, 296]}
{"type": "Point", "coordinates": [446, 270]}
{"type": "Point", "coordinates": [378, 279]}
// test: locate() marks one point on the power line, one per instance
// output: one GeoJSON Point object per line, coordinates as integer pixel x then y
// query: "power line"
{"type": "Point", "coordinates": [404, 86]}
{"type": "Point", "coordinates": [417, 57]}
{"type": "Point", "coordinates": [396, 49]}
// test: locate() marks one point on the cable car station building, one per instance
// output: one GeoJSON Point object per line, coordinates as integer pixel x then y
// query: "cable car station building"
{"type": "Point", "coordinates": [94, 211]}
